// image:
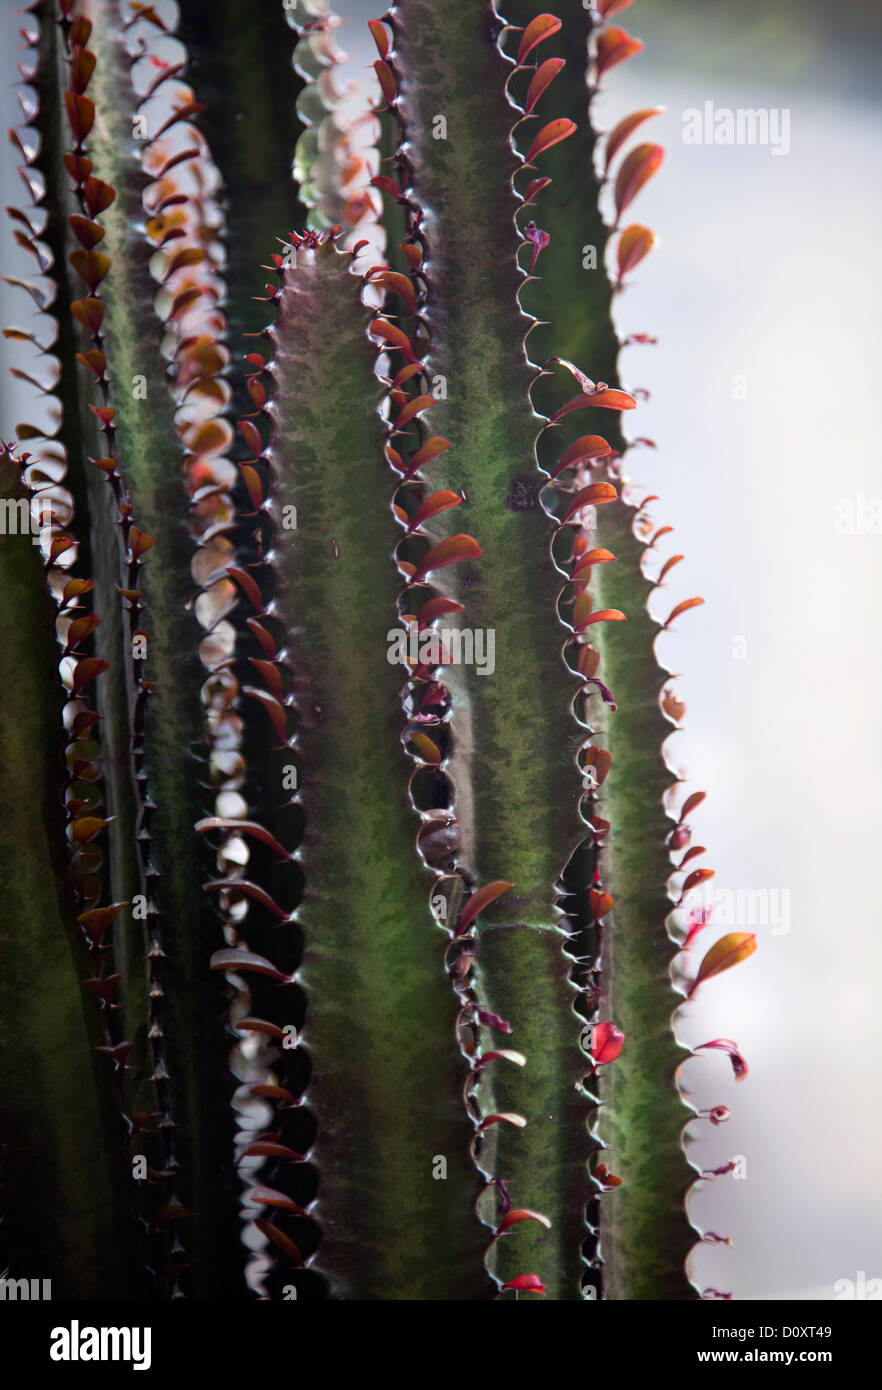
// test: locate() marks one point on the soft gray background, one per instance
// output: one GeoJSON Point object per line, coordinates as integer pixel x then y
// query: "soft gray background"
{"type": "Point", "coordinates": [767, 270]}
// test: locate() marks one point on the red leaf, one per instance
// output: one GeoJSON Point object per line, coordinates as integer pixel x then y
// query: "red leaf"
{"type": "Point", "coordinates": [682, 608]}
{"type": "Point", "coordinates": [395, 283]}
{"type": "Point", "coordinates": [413, 408]}
{"type": "Point", "coordinates": [278, 1238]}
{"type": "Point", "coordinates": [542, 78]}
{"type": "Point", "coordinates": [626, 127]}
{"type": "Point", "coordinates": [98, 196]}
{"type": "Point", "coordinates": [518, 1214]}
{"type": "Point", "coordinates": [503, 1117]}
{"type": "Point", "coordinates": [243, 827]}
{"type": "Point", "coordinates": [668, 566]}
{"type": "Point", "coordinates": [437, 608]}
{"type": "Point", "coordinates": [88, 312]}
{"type": "Point", "coordinates": [614, 46]}
{"type": "Point", "coordinates": [526, 1283]}
{"type": "Point", "coordinates": [739, 1066]}
{"type": "Point", "coordinates": [433, 506]}
{"type": "Point", "coordinates": [607, 398]}
{"type": "Point", "coordinates": [80, 114]}
{"type": "Point", "coordinates": [550, 135]}
{"type": "Point", "coordinates": [244, 579]}
{"type": "Point", "coordinates": [478, 901]}
{"type": "Point", "coordinates": [432, 447]}
{"type": "Point", "coordinates": [393, 335]}
{"type": "Point", "coordinates": [635, 171]}
{"type": "Point", "coordinates": [87, 232]}
{"type": "Point", "coordinates": [607, 1042]}
{"type": "Point", "coordinates": [447, 552]}
{"type": "Point", "coordinates": [386, 79]}
{"type": "Point", "coordinates": [270, 1197]}
{"type": "Point", "coordinates": [697, 877]}
{"type": "Point", "coordinates": [246, 960]}
{"type": "Point", "coordinates": [583, 450]}
{"type": "Point", "coordinates": [86, 671]}
{"type": "Point", "coordinates": [251, 890]}
{"type": "Point", "coordinates": [91, 266]}
{"type": "Point", "coordinates": [536, 32]}
{"type": "Point", "coordinates": [730, 950]}
{"type": "Point", "coordinates": [635, 244]}
{"type": "Point", "coordinates": [381, 38]}
{"type": "Point", "coordinates": [275, 711]}
{"type": "Point", "coordinates": [595, 494]}
{"type": "Point", "coordinates": [690, 804]}
{"type": "Point", "coordinates": [607, 8]}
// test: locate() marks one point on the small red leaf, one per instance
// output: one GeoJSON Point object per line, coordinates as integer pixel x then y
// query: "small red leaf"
{"type": "Point", "coordinates": [518, 1214]}
{"type": "Point", "coordinates": [413, 408]}
{"type": "Point", "coordinates": [583, 450]}
{"type": "Point", "coordinates": [730, 950]}
{"type": "Point", "coordinates": [607, 1042]}
{"type": "Point", "coordinates": [695, 879]}
{"type": "Point", "coordinates": [614, 46]}
{"type": "Point", "coordinates": [690, 804]}
{"type": "Point", "coordinates": [91, 266]}
{"type": "Point", "coordinates": [391, 334]}
{"type": "Point", "coordinates": [80, 114]}
{"type": "Point", "coordinates": [243, 827]}
{"type": "Point", "coordinates": [380, 36]}
{"type": "Point", "coordinates": [386, 79]}
{"type": "Point", "coordinates": [542, 78]}
{"type": "Point", "coordinates": [595, 494]}
{"type": "Point", "coordinates": [526, 1283]}
{"type": "Point", "coordinates": [246, 960]}
{"type": "Point", "coordinates": [550, 135]}
{"type": "Point", "coordinates": [478, 901]}
{"type": "Point", "coordinates": [98, 196]}
{"type": "Point", "coordinates": [626, 127]}
{"type": "Point", "coordinates": [251, 890]}
{"type": "Point", "coordinates": [739, 1066]}
{"type": "Point", "coordinates": [536, 32]}
{"type": "Point", "coordinates": [247, 583]}
{"type": "Point", "coordinates": [447, 552]}
{"type": "Point", "coordinates": [270, 1197]}
{"type": "Point", "coordinates": [682, 608]}
{"type": "Point", "coordinates": [433, 506]}
{"type": "Point", "coordinates": [635, 171]}
{"type": "Point", "coordinates": [432, 447]}
{"type": "Point", "coordinates": [606, 397]}
{"type": "Point", "coordinates": [635, 244]}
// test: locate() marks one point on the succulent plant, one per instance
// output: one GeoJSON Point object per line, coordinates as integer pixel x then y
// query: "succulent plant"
{"type": "Point", "coordinates": [341, 928]}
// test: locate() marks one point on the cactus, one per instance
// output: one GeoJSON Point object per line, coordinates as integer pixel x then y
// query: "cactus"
{"type": "Point", "coordinates": [340, 941]}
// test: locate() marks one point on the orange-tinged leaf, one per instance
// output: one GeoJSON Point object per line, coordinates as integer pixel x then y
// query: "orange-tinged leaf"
{"type": "Point", "coordinates": [598, 556]}
{"type": "Point", "coordinates": [668, 566]}
{"type": "Point", "coordinates": [583, 450]}
{"type": "Point", "coordinates": [433, 506]}
{"type": "Point", "coordinates": [91, 266]}
{"type": "Point", "coordinates": [386, 79]}
{"type": "Point", "coordinates": [625, 129]}
{"type": "Point", "coordinates": [86, 671]}
{"type": "Point", "coordinates": [635, 244]}
{"type": "Point", "coordinates": [395, 282]}
{"type": "Point", "coordinates": [87, 827]}
{"type": "Point", "coordinates": [635, 171]}
{"type": "Point", "coordinates": [427, 749]}
{"type": "Point", "coordinates": [697, 877]}
{"type": "Point", "coordinates": [536, 32]}
{"type": "Point", "coordinates": [251, 434]}
{"type": "Point", "coordinates": [279, 1239]}
{"type": "Point", "coordinates": [600, 759]}
{"type": "Point", "coordinates": [80, 629]}
{"type": "Point", "coordinates": [88, 312]}
{"type": "Point", "coordinates": [550, 135]}
{"type": "Point", "coordinates": [437, 608]}
{"type": "Point", "coordinates": [601, 904]}
{"type": "Point", "coordinates": [432, 447]}
{"type": "Point", "coordinates": [140, 542]}
{"type": "Point", "coordinates": [682, 608]}
{"type": "Point", "coordinates": [380, 36]}
{"type": "Point", "coordinates": [607, 398]}
{"type": "Point", "coordinates": [542, 78]}
{"type": "Point", "coordinates": [614, 46]}
{"type": "Point", "coordinates": [391, 334]}
{"type": "Point", "coordinates": [447, 552]}
{"type": "Point", "coordinates": [271, 1197]}
{"type": "Point", "coordinates": [478, 901]}
{"type": "Point", "coordinates": [87, 232]}
{"type": "Point", "coordinates": [252, 480]}
{"type": "Point", "coordinates": [595, 494]}
{"type": "Point", "coordinates": [674, 707]}
{"type": "Point", "coordinates": [607, 8]}
{"type": "Point", "coordinates": [730, 950]}
{"type": "Point", "coordinates": [412, 409]}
